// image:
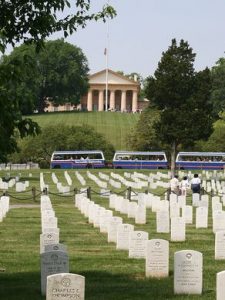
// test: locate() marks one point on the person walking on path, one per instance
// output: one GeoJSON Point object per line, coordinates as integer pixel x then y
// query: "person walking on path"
{"type": "Point", "coordinates": [175, 185]}
{"type": "Point", "coordinates": [196, 184]}
{"type": "Point", "coordinates": [184, 185]}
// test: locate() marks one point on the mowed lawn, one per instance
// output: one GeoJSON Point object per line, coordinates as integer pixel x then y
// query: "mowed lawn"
{"type": "Point", "coordinates": [109, 273]}
{"type": "Point", "coordinates": [113, 125]}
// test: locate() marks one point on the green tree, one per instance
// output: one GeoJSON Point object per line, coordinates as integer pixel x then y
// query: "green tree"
{"type": "Point", "coordinates": [218, 86]}
{"type": "Point", "coordinates": [12, 124]}
{"type": "Point", "coordinates": [52, 138]}
{"type": "Point", "coordinates": [32, 21]}
{"type": "Point", "coordinates": [183, 98]}
{"type": "Point", "coordinates": [145, 140]}
{"type": "Point", "coordinates": [216, 141]}
{"type": "Point", "coordinates": [58, 72]}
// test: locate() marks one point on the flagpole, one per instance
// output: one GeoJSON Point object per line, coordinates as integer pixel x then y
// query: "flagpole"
{"type": "Point", "coordinates": [107, 66]}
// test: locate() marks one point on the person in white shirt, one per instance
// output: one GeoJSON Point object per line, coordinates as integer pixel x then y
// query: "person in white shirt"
{"type": "Point", "coordinates": [184, 185]}
{"type": "Point", "coordinates": [174, 185]}
{"type": "Point", "coordinates": [196, 184]}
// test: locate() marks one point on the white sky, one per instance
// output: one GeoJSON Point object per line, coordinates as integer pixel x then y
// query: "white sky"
{"type": "Point", "coordinates": [143, 29]}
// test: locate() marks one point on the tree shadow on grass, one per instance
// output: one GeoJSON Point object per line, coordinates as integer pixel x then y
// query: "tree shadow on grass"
{"type": "Point", "coordinates": [98, 286]}
{"type": "Point", "coordinates": [108, 286]}
{"type": "Point", "coordinates": [20, 286]}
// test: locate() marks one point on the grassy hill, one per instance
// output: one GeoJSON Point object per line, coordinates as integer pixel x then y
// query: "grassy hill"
{"type": "Point", "coordinates": [114, 126]}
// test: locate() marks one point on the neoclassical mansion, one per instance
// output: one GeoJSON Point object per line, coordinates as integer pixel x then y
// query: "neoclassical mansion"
{"type": "Point", "coordinates": [122, 95]}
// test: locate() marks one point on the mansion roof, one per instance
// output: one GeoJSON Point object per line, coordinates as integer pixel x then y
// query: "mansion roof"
{"type": "Point", "coordinates": [114, 78]}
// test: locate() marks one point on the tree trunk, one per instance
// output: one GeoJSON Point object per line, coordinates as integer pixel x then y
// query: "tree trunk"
{"type": "Point", "coordinates": [173, 159]}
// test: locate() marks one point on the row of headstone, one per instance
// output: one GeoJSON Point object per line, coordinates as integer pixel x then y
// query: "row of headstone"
{"type": "Point", "coordinates": [103, 176]}
{"type": "Point", "coordinates": [115, 184]}
{"type": "Point", "coordinates": [153, 180]}
{"type": "Point", "coordinates": [80, 178]}
{"type": "Point", "coordinates": [123, 235]}
{"type": "Point", "coordinates": [201, 205]}
{"type": "Point", "coordinates": [126, 174]}
{"type": "Point", "coordinates": [54, 257]}
{"type": "Point", "coordinates": [139, 183]}
{"type": "Point", "coordinates": [4, 207]}
{"type": "Point", "coordinates": [187, 263]}
{"type": "Point", "coordinates": [68, 178]}
{"type": "Point", "coordinates": [22, 186]}
{"type": "Point", "coordinates": [64, 189]}
{"type": "Point", "coordinates": [130, 208]}
{"type": "Point", "coordinates": [56, 281]}
{"type": "Point", "coordinates": [43, 186]}
{"type": "Point", "coordinates": [100, 183]}
{"type": "Point", "coordinates": [124, 181]}
{"type": "Point", "coordinates": [176, 208]}
{"type": "Point", "coordinates": [6, 185]}
{"type": "Point", "coordinates": [19, 167]}
{"type": "Point", "coordinates": [54, 178]}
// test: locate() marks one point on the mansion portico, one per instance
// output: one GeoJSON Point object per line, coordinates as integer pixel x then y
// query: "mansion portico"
{"type": "Point", "coordinates": [122, 93]}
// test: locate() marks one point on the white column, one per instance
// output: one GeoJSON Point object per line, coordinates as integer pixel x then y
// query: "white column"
{"type": "Point", "coordinates": [101, 100]}
{"type": "Point", "coordinates": [89, 101]}
{"type": "Point", "coordinates": [123, 101]}
{"type": "Point", "coordinates": [134, 101]}
{"type": "Point", "coordinates": [112, 100]}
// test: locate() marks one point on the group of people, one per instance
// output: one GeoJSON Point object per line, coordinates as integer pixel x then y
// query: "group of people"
{"type": "Point", "coordinates": [181, 187]}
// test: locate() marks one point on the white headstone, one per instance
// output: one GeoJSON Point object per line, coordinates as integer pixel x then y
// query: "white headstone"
{"type": "Point", "coordinates": [188, 272]}
{"type": "Point", "coordinates": [218, 221]}
{"type": "Point", "coordinates": [216, 206]}
{"type": "Point", "coordinates": [123, 233]}
{"type": "Point", "coordinates": [104, 220]}
{"type": "Point", "coordinates": [112, 228]}
{"type": "Point", "coordinates": [132, 209]}
{"type": "Point", "coordinates": [220, 286]}
{"type": "Point", "coordinates": [173, 197]}
{"type": "Point", "coordinates": [157, 258]}
{"type": "Point", "coordinates": [177, 229]}
{"type": "Point", "coordinates": [181, 200]}
{"type": "Point", "coordinates": [155, 203]}
{"type": "Point", "coordinates": [100, 211]}
{"type": "Point", "coordinates": [48, 239]}
{"type": "Point", "coordinates": [202, 217]}
{"type": "Point", "coordinates": [137, 244]}
{"type": "Point", "coordinates": [49, 222]}
{"type": "Point", "coordinates": [124, 206]}
{"type": "Point", "coordinates": [187, 214]}
{"type": "Point", "coordinates": [112, 199]}
{"type": "Point", "coordinates": [91, 212]}
{"type": "Point", "coordinates": [140, 217]}
{"type": "Point", "coordinates": [220, 245]}
{"type": "Point", "coordinates": [162, 222]}
{"type": "Point", "coordinates": [195, 199]}
{"type": "Point", "coordinates": [65, 286]}
{"type": "Point", "coordinates": [174, 210]}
